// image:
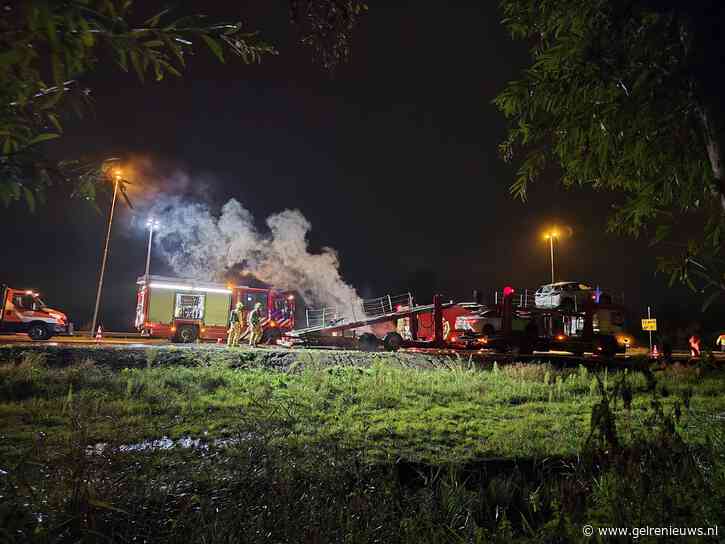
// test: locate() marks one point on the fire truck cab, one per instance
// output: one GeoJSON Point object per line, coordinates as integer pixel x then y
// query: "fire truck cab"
{"type": "Point", "coordinates": [185, 310]}
{"type": "Point", "coordinates": [23, 311]}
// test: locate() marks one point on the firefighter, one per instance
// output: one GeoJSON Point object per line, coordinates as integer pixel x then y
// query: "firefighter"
{"type": "Point", "coordinates": [721, 341]}
{"type": "Point", "coordinates": [238, 321]}
{"type": "Point", "coordinates": [694, 346]}
{"type": "Point", "coordinates": [255, 325]}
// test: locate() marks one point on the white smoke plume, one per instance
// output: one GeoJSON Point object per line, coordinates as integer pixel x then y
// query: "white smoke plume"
{"type": "Point", "coordinates": [198, 243]}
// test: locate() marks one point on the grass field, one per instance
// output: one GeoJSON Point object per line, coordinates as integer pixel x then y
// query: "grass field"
{"type": "Point", "coordinates": [377, 451]}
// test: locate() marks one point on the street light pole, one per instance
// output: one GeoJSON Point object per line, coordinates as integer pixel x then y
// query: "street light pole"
{"type": "Point", "coordinates": [551, 246]}
{"type": "Point", "coordinates": [550, 236]}
{"type": "Point", "coordinates": [116, 181]}
{"type": "Point", "coordinates": [151, 224]}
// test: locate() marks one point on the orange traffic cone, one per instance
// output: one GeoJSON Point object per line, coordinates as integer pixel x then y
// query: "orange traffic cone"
{"type": "Point", "coordinates": [99, 334]}
{"type": "Point", "coordinates": [655, 353]}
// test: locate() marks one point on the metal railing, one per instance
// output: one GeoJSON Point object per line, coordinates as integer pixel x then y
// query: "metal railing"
{"type": "Point", "coordinates": [361, 310]}
{"type": "Point", "coordinates": [321, 317]}
{"type": "Point", "coordinates": [387, 304]}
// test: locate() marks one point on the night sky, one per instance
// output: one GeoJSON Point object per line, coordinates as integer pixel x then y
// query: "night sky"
{"type": "Point", "coordinates": [393, 159]}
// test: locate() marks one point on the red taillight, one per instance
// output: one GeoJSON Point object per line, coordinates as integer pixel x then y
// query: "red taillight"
{"type": "Point", "coordinates": [508, 290]}
{"type": "Point", "coordinates": [173, 329]}
{"type": "Point", "coordinates": [454, 339]}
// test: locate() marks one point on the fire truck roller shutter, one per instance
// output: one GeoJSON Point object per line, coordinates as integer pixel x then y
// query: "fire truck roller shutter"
{"type": "Point", "coordinates": [161, 305]}
{"type": "Point", "coordinates": [216, 312]}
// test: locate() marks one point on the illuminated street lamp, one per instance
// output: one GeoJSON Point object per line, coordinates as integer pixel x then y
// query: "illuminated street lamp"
{"type": "Point", "coordinates": [550, 235]}
{"type": "Point", "coordinates": [117, 180]}
{"type": "Point", "coordinates": [151, 224]}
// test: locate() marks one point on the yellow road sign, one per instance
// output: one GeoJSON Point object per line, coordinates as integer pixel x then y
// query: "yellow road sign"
{"type": "Point", "coordinates": [649, 324]}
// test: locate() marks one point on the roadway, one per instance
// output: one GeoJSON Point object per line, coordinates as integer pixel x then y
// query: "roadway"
{"type": "Point", "coordinates": [84, 339]}
{"type": "Point", "coordinates": [136, 340]}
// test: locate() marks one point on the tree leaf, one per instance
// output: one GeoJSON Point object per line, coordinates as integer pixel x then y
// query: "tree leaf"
{"type": "Point", "coordinates": [29, 198]}
{"type": "Point", "coordinates": [710, 299]}
{"type": "Point", "coordinates": [661, 233]}
{"type": "Point", "coordinates": [43, 138]}
{"type": "Point", "coordinates": [53, 118]}
{"type": "Point", "coordinates": [136, 63]}
{"type": "Point", "coordinates": [214, 45]}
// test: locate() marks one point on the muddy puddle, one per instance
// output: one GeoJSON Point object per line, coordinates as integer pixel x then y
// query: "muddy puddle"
{"type": "Point", "coordinates": [166, 443]}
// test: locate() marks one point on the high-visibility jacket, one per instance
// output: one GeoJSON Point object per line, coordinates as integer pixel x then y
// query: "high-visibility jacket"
{"type": "Point", "coordinates": [238, 316]}
{"type": "Point", "coordinates": [254, 318]}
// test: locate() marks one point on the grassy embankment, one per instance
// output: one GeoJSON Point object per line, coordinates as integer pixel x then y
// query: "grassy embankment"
{"type": "Point", "coordinates": [379, 451]}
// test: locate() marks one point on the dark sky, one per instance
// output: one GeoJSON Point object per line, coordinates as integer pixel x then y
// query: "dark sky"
{"type": "Point", "coordinates": [392, 158]}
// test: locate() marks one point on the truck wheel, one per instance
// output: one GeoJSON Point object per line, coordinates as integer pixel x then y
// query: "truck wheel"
{"type": "Point", "coordinates": [368, 342]}
{"type": "Point", "coordinates": [393, 341]}
{"type": "Point", "coordinates": [39, 331]}
{"type": "Point", "coordinates": [526, 348]}
{"type": "Point", "coordinates": [271, 336]}
{"type": "Point", "coordinates": [605, 347]}
{"type": "Point", "coordinates": [187, 334]}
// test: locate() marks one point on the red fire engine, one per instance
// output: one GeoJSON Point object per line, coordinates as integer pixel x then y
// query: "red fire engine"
{"type": "Point", "coordinates": [23, 311]}
{"type": "Point", "coordinates": [185, 310]}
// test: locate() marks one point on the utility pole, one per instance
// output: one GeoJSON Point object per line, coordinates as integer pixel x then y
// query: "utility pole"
{"type": "Point", "coordinates": [116, 182]}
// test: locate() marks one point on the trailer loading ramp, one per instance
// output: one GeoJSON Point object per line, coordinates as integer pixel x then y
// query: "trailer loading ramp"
{"type": "Point", "coordinates": [382, 309]}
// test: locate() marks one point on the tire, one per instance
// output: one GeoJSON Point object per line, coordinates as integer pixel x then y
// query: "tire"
{"type": "Point", "coordinates": [187, 334]}
{"type": "Point", "coordinates": [368, 342]}
{"type": "Point", "coordinates": [526, 347]}
{"type": "Point", "coordinates": [39, 331]}
{"type": "Point", "coordinates": [606, 347]}
{"type": "Point", "coordinates": [271, 336]}
{"type": "Point", "coordinates": [488, 329]}
{"type": "Point", "coordinates": [393, 341]}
